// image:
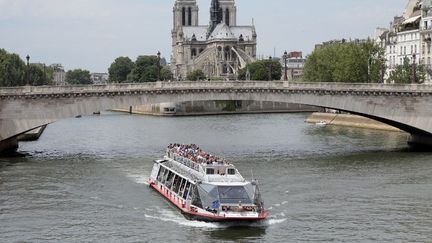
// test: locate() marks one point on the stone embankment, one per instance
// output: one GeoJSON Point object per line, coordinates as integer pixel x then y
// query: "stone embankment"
{"type": "Point", "coordinates": [348, 120]}
{"type": "Point", "coordinates": [200, 108]}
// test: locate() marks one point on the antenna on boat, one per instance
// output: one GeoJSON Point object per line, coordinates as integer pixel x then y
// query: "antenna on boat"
{"type": "Point", "coordinates": [253, 178]}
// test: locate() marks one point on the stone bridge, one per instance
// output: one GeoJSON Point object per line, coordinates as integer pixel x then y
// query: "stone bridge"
{"type": "Point", "coordinates": [407, 107]}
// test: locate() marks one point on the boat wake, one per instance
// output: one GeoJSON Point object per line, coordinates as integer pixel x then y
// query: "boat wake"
{"type": "Point", "coordinates": [140, 179]}
{"type": "Point", "coordinates": [275, 221]}
{"type": "Point", "coordinates": [169, 216]}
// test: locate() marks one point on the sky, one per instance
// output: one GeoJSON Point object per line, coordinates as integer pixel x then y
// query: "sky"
{"type": "Point", "coordinates": [90, 34]}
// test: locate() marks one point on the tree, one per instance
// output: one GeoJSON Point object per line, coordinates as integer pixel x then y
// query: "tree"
{"type": "Point", "coordinates": [404, 73]}
{"type": "Point", "coordinates": [259, 70]}
{"type": "Point", "coordinates": [196, 75]}
{"type": "Point", "coordinates": [145, 70]}
{"type": "Point", "coordinates": [12, 70]}
{"type": "Point", "coordinates": [120, 69]}
{"type": "Point", "coordinates": [166, 74]}
{"type": "Point", "coordinates": [38, 75]}
{"type": "Point", "coordinates": [78, 76]}
{"type": "Point", "coordinates": [346, 62]}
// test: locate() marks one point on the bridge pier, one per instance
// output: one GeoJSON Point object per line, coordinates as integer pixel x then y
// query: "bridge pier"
{"type": "Point", "coordinates": [420, 141]}
{"type": "Point", "coordinates": [8, 146]}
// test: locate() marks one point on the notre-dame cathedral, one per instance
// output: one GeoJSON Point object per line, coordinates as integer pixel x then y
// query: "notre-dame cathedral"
{"type": "Point", "coordinates": [219, 49]}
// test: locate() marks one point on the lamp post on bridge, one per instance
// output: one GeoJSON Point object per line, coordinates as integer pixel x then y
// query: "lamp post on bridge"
{"type": "Point", "coordinates": [285, 57]}
{"type": "Point", "coordinates": [270, 69]}
{"type": "Point", "coordinates": [159, 65]}
{"type": "Point", "coordinates": [28, 67]}
{"type": "Point", "coordinates": [369, 67]}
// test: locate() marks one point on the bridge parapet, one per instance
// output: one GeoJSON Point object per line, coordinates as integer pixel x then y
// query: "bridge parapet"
{"type": "Point", "coordinates": [216, 85]}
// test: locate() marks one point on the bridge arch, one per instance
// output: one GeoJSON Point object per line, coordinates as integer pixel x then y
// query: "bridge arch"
{"type": "Point", "coordinates": [404, 106]}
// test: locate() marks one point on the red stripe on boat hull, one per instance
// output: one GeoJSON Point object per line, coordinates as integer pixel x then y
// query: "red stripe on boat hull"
{"type": "Point", "coordinates": [179, 203]}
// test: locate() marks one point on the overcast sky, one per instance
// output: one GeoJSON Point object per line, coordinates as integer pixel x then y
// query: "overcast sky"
{"type": "Point", "coordinates": [90, 34]}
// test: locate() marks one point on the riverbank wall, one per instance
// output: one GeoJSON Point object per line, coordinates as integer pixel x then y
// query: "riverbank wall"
{"type": "Point", "coordinates": [349, 120]}
{"type": "Point", "coordinates": [198, 108]}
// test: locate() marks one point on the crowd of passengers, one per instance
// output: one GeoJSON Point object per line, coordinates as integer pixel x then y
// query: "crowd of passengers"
{"type": "Point", "coordinates": [195, 154]}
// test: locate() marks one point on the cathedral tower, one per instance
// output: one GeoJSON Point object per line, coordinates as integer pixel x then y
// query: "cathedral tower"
{"type": "Point", "coordinates": [185, 13]}
{"type": "Point", "coordinates": [219, 49]}
{"type": "Point", "coordinates": [229, 12]}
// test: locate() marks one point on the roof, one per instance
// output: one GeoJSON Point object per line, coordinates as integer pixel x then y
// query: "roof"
{"type": "Point", "coordinates": [200, 32]}
{"type": "Point", "coordinates": [246, 31]}
{"type": "Point", "coordinates": [222, 32]}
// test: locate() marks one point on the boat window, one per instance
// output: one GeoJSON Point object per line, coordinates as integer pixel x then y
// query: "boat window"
{"type": "Point", "coordinates": [196, 200]}
{"type": "Point", "coordinates": [233, 194]}
{"type": "Point", "coordinates": [161, 173]}
{"type": "Point", "coordinates": [165, 175]}
{"type": "Point", "coordinates": [185, 190]}
{"type": "Point", "coordinates": [231, 171]}
{"type": "Point", "coordinates": [210, 171]}
{"type": "Point", "coordinates": [176, 183]}
{"type": "Point", "coordinates": [170, 180]}
{"type": "Point", "coordinates": [180, 188]}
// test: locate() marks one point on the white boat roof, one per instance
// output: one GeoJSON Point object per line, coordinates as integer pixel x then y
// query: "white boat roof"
{"type": "Point", "coordinates": [200, 174]}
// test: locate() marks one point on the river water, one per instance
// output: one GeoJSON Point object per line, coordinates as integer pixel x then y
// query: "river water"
{"type": "Point", "coordinates": [85, 181]}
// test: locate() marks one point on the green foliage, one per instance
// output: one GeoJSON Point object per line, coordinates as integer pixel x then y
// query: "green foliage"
{"type": "Point", "coordinates": [166, 74]}
{"type": "Point", "coordinates": [404, 73]}
{"type": "Point", "coordinates": [39, 75]}
{"type": "Point", "coordinates": [12, 70]}
{"type": "Point", "coordinates": [346, 62]}
{"type": "Point", "coordinates": [259, 70]}
{"type": "Point", "coordinates": [145, 70]}
{"type": "Point", "coordinates": [196, 75]}
{"type": "Point", "coordinates": [78, 76]}
{"type": "Point", "coordinates": [120, 69]}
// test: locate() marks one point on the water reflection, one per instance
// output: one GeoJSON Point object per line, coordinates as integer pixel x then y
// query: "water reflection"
{"type": "Point", "coordinates": [242, 234]}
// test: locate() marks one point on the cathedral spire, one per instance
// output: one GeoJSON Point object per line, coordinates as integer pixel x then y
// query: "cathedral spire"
{"type": "Point", "coordinates": [215, 15]}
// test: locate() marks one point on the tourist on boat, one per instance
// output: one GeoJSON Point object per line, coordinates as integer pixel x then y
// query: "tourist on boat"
{"type": "Point", "coordinates": [193, 153]}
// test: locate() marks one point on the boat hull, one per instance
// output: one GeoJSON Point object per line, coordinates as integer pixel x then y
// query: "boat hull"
{"type": "Point", "coordinates": [191, 215]}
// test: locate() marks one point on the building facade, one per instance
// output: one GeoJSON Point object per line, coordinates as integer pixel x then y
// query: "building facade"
{"type": "Point", "coordinates": [59, 74]}
{"type": "Point", "coordinates": [99, 78]}
{"type": "Point", "coordinates": [219, 49]}
{"type": "Point", "coordinates": [409, 38]}
{"type": "Point", "coordinates": [295, 63]}
{"type": "Point", "coordinates": [426, 35]}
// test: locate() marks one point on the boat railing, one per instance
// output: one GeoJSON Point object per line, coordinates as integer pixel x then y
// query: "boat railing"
{"type": "Point", "coordinates": [185, 161]}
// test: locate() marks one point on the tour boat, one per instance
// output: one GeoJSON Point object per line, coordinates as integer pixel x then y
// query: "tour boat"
{"type": "Point", "coordinates": [206, 188]}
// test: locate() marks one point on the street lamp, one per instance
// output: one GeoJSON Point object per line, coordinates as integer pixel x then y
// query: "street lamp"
{"type": "Point", "coordinates": [158, 65]}
{"type": "Point", "coordinates": [270, 69]}
{"type": "Point", "coordinates": [27, 71]}
{"type": "Point", "coordinates": [383, 69]}
{"type": "Point", "coordinates": [285, 57]}
{"type": "Point", "coordinates": [414, 69]}
{"type": "Point", "coordinates": [369, 67]}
